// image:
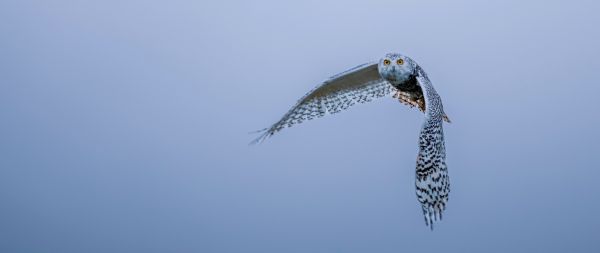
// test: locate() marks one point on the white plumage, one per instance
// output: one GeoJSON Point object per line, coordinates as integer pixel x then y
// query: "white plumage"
{"type": "Point", "coordinates": [402, 77]}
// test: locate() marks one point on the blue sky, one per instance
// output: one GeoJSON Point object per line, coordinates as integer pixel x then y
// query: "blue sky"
{"type": "Point", "coordinates": [124, 127]}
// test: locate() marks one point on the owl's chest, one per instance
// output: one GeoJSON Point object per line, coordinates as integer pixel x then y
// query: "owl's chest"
{"type": "Point", "coordinates": [411, 94]}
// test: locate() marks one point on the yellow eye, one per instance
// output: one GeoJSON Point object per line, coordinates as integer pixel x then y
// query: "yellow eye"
{"type": "Point", "coordinates": [400, 61]}
{"type": "Point", "coordinates": [386, 62]}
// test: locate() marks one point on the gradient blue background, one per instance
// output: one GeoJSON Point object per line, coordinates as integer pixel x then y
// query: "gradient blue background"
{"type": "Point", "coordinates": [123, 127]}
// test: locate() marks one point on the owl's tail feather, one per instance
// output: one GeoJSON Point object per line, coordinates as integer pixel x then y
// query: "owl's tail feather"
{"type": "Point", "coordinates": [446, 118]}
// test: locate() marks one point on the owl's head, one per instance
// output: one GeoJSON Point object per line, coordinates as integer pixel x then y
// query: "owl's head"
{"type": "Point", "coordinates": [396, 68]}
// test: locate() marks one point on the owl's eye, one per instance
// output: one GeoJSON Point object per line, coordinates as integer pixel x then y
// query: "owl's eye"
{"type": "Point", "coordinates": [400, 61]}
{"type": "Point", "coordinates": [386, 62]}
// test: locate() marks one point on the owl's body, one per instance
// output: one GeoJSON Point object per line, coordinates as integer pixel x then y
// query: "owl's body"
{"type": "Point", "coordinates": [405, 79]}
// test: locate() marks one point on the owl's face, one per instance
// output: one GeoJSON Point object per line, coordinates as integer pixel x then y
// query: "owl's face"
{"type": "Point", "coordinates": [396, 68]}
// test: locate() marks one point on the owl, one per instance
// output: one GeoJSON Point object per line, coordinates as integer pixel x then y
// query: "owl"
{"type": "Point", "coordinates": [402, 78]}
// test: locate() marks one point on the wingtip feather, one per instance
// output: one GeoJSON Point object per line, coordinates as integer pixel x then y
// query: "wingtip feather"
{"type": "Point", "coordinates": [262, 137]}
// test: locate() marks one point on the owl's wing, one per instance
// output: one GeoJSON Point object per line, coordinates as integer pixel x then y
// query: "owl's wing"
{"type": "Point", "coordinates": [432, 181]}
{"type": "Point", "coordinates": [360, 84]}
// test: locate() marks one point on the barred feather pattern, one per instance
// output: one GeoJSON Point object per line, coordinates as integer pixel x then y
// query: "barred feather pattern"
{"type": "Point", "coordinates": [431, 180]}
{"type": "Point", "coordinates": [314, 105]}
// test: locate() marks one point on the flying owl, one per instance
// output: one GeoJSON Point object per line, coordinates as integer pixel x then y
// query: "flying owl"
{"type": "Point", "coordinates": [402, 78]}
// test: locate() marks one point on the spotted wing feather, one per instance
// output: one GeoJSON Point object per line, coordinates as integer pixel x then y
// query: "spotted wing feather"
{"type": "Point", "coordinates": [431, 179]}
{"type": "Point", "coordinates": [358, 85]}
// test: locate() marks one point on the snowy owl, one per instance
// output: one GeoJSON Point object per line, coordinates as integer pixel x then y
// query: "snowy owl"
{"type": "Point", "coordinates": [401, 77]}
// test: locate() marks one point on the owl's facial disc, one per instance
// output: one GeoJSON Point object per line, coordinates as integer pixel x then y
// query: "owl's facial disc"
{"type": "Point", "coordinates": [395, 68]}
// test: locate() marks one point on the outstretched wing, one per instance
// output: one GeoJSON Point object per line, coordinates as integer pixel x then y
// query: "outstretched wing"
{"type": "Point", "coordinates": [357, 85]}
{"type": "Point", "coordinates": [432, 181]}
